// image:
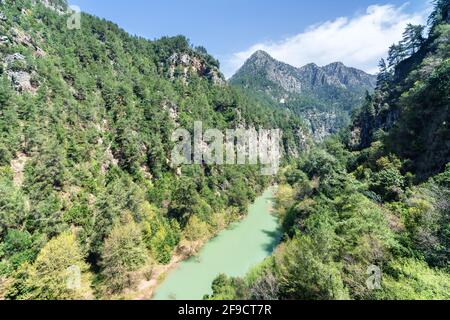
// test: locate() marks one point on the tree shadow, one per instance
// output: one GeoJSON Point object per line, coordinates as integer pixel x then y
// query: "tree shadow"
{"type": "Point", "coordinates": [274, 240]}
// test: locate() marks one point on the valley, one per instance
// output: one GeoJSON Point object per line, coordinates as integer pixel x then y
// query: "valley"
{"type": "Point", "coordinates": [233, 253]}
{"type": "Point", "coordinates": [94, 204]}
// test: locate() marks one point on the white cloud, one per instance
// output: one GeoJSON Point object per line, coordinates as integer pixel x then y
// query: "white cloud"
{"type": "Point", "coordinates": [359, 41]}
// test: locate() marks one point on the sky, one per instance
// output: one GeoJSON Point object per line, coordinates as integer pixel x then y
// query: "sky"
{"type": "Point", "coordinates": [356, 32]}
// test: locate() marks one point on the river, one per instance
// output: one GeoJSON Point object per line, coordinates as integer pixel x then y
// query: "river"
{"type": "Point", "coordinates": [233, 252]}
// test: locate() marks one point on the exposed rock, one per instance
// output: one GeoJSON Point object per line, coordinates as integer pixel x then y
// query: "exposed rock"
{"type": "Point", "coordinates": [21, 80]}
{"type": "Point", "coordinates": [189, 63]}
{"type": "Point", "coordinates": [324, 96]}
{"type": "Point", "coordinates": [18, 165]}
{"type": "Point", "coordinates": [20, 37]}
{"type": "Point", "coordinates": [13, 57]}
{"type": "Point", "coordinates": [109, 160]}
{"type": "Point", "coordinates": [146, 172]}
{"type": "Point", "coordinates": [59, 7]}
{"type": "Point", "coordinates": [172, 109]}
{"type": "Point", "coordinates": [307, 78]}
{"type": "Point", "coordinates": [4, 40]}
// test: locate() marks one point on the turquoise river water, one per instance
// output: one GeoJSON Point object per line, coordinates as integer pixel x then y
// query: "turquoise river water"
{"type": "Point", "coordinates": [233, 252]}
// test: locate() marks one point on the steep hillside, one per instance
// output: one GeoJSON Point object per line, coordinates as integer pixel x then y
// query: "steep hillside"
{"type": "Point", "coordinates": [371, 220]}
{"type": "Point", "coordinates": [86, 121]}
{"type": "Point", "coordinates": [410, 109]}
{"type": "Point", "coordinates": [324, 96]}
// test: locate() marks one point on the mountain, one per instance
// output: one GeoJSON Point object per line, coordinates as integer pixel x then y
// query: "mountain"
{"type": "Point", "coordinates": [366, 213]}
{"type": "Point", "coordinates": [86, 123]}
{"type": "Point", "coordinates": [324, 96]}
{"type": "Point", "coordinates": [410, 109]}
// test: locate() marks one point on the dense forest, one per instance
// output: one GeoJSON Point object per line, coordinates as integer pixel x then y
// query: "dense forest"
{"type": "Point", "coordinates": [87, 185]}
{"type": "Point", "coordinates": [373, 201]}
{"type": "Point", "coordinates": [86, 119]}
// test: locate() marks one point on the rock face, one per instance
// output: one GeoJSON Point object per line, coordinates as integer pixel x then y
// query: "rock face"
{"type": "Point", "coordinates": [324, 96]}
{"type": "Point", "coordinates": [15, 66]}
{"type": "Point", "coordinates": [183, 64]}
{"type": "Point", "coordinates": [59, 6]}
{"type": "Point", "coordinates": [21, 81]}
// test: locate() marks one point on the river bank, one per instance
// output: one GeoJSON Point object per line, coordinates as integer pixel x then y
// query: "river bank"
{"type": "Point", "coordinates": [233, 252]}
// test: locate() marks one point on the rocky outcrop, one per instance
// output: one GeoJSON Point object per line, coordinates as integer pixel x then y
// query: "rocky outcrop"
{"type": "Point", "coordinates": [22, 81]}
{"type": "Point", "coordinates": [17, 166]}
{"type": "Point", "coordinates": [16, 69]}
{"type": "Point", "coordinates": [184, 64]}
{"type": "Point", "coordinates": [22, 38]}
{"type": "Point", "coordinates": [59, 6]}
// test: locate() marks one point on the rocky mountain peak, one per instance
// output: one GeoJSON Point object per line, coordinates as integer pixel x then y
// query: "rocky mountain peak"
{"type": "Point", "coordinates": [259, 59]}
{"type": "Point", "coordinates": [261, 54]}
{"type": "Point", "coordinates": [322, 95]}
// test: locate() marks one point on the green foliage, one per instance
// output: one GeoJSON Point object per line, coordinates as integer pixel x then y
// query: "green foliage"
{"type": "Point", "coordinates": [123, 253]}
{"type": "Point", "coordinates": [224, 288]}
{"type": "Point", "coordinates": [18, 247]}
{"type": "Point", "coordinates": [414, 280]}
{"type": "Point", "coordinates": [385, 203]}
{"type": "Point", "coordinates": [160, 235]}
{"type": "Point", "coordinates": [48, 277]}
{"type": "Point", "coordinates": [388, 183]}
{"type": "Point", "coordinates": [305, 273]}
{"type": "Point", "coordinates": [94, 136]}
{"type": "Point", "coordinates": [95, 132]}
{"type": "Point", "coordinates": [413, 38]}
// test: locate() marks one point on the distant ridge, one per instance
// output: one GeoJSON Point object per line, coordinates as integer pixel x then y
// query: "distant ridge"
{"type": "Point", "coordinates": [324, 96]}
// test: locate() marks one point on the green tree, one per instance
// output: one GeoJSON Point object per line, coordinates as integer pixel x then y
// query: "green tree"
{"type": "Point", "coordinates": [409, 279]}
{"type": "Point", "coordinates": [59, 273]}
{"type": "Point", "coordinates": [123, 254]}
{"type": "Point", "coordinates": [384, 75]}
{"type": "Point", "coordinates": [413, 38]}
{"type": "Point", "coordinates": [397, 54]}
{"type": "Point", "coordinates": [304, 273]}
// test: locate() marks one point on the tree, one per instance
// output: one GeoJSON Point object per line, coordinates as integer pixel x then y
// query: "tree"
{"type": "Point", "coordinates": [59, 273]}
{"type": "Point", "coordinates": [440, 13]}
{"type": "Point", "coordinates": [304, 274]}
{"type": "Point", "coordinates": [223, 288]}
{"type": "Point", "coordinates": [195, 233]}
{"type": "Point", "coordinates": [17, 248]}
{"type": "Point", "coordinates": [5, 92]}
{"type": "Point", "coordinates": [396, 54]}
{"type": "Point", "coordinates": [384, 76]}
{"type": "Point", "coordinates": [160, 235]}
{"type": "Point", "coordinates": [410, 279]}
{"type": "Point", "coordinates": [123, 254]}
{"type": "Point", "coordinates": [265, 288]}
{"type": "Point", "coordinates": [413, 38]}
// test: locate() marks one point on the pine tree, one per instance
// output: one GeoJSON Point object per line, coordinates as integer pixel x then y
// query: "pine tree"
{"type": "Point", "coordinates": [384, 76]}
{"type": "Point", "coordinates": [413, 38]}
{"type": "Point", "coordinates": [440, 13]}
{"type": "Point", "coordinates": [396, 54]}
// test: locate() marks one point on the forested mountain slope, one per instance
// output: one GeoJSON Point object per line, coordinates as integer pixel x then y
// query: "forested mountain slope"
{"type": "Point", "coordinates": [367, 216]}
{"type": "Point", "coordinates": [324, 96]}
{"type": "Point", "coordinates": [410, 110]}
{"type": "Point", "coordinates": [86, 118]}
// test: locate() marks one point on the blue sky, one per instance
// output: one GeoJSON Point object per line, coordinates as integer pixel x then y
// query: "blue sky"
{"type": "Point", "coordinates": [231, 29]}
